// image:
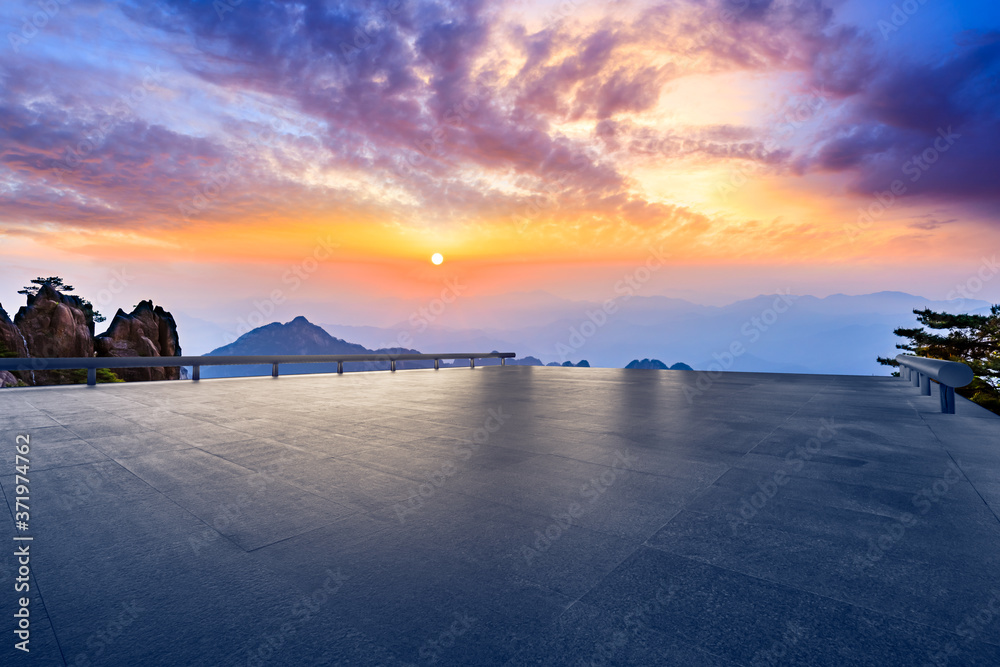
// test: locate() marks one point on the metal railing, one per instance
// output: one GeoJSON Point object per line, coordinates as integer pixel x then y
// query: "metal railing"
{"type": "Point", "coordinates": [91, 364]}
{"type": "Point", "coordinates": [919, 371]}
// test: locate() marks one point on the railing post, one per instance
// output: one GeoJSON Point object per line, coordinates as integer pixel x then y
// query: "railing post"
{"type": "Point", "coordinates": [947, 399]}
{"type": "Point", "coordinates": [925, 385]}
{"type": "Point", "coordinates": [195, 363]}
{"type": "Point", "coordinates": [916, 378]}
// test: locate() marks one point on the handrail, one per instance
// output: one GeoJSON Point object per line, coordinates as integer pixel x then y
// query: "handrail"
{"type": "Point", "coordinates": [93, 363]}
{"type": "Point", "coordinates": [919, 371]}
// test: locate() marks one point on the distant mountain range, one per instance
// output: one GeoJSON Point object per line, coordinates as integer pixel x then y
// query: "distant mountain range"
{"type": "Point", "coordinates": [838, 334]}
{"type": "Point", "coordinates": [656, 364]}
{"type": "Point", "coordinates": [300, 336]}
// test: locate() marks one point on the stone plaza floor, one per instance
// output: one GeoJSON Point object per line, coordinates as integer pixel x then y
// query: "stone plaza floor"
{"type": "Point", "coordinates": [504, 516]}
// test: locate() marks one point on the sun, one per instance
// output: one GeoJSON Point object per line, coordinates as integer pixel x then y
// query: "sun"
{"type": "Point", "coordinates": [437, 258]}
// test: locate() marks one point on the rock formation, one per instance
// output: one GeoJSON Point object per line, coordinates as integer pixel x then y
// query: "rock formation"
{"type": "Point", "coordinates": [300, 336]}
{"type": "Point", "coordinates": [647, 364]}
{"type": "Point", "coordinates": [12, 345]}
{"type": "Point", "coordinates": [656, 364]}
{"type": "Point", "coordinates": [148, 331]}
{"type": "Point", "coordinates": [54, 325]}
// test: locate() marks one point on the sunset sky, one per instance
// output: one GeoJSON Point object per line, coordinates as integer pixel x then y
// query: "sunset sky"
{"type": "Point", "coordinates": [214, 151]}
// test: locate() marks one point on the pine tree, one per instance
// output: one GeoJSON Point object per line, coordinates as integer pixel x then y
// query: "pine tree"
{"type": "Point", "coordinates": [970, 339]}
{"type": "Point", "coordinates": [57, 284]}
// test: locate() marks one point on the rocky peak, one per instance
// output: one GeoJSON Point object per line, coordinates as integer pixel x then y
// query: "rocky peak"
{"type": "Point", "coordinates": [148, 331]}
{"type": "Point", "coordinates": [55, 325]}
{"type": "Point", "coordinates": [11, 345]}
{"type": "Point", "coordinates": [300, 336]}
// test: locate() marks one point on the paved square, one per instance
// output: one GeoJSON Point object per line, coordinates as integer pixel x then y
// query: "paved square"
{"type": "Point", "coordinates": [505, 516]}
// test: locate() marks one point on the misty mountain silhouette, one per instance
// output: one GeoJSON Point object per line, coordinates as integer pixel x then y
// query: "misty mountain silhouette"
{"type": "Point", "coordinates": [300, 336]}
{"type": "Point", "coordinates": [656, 364]}
{"type": "Point", "coordinates": [849, 330]}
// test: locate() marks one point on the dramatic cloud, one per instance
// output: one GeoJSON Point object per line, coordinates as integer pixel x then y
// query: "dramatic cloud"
{"type": "Point", "coordinates": [420, 114]}
{"type": "Point", "coordinates": [933, 125]}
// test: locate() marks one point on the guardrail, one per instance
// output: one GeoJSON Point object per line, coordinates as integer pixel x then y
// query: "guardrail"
{"type": "Point", "coordinates": [93, 363]}
{"type": "Point", "coordinates": [919, 371]}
